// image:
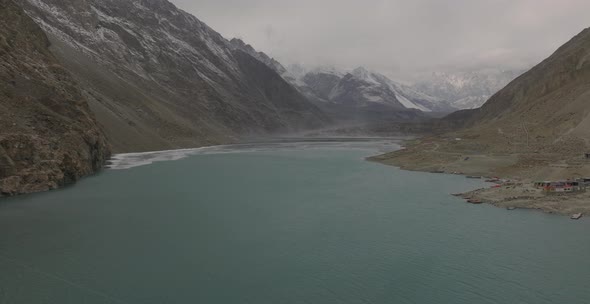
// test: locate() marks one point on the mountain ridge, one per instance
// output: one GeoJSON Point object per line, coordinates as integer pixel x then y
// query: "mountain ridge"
{"type": "Point", "coordinates": [537, 127]}
{"type": "Point", "coordinates": [83, 78]}
{"type": "Point", "coordinates": [261, 56]}
{"type": "Point", "coordinates": [159, 78]}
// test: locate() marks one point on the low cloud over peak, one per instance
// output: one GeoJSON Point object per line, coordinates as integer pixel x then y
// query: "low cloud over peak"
{"type": "Point", "coordinates": [399, 37]}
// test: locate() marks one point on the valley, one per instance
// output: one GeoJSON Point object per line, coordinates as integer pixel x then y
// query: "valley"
{"type": "Point", "coordinates": [277, 151]}
{"type": "Point", "coordinates": [157, 78]}
{"type": "Point", "coordinates": [154, 77]}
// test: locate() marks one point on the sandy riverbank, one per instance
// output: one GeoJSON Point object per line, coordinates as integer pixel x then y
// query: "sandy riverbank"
{"type": "Point", "coordinates": [521, 169]}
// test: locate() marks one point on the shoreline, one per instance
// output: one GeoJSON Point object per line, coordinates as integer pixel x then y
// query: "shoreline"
{"type": "Point", "coordinates": [513, 192]}
{"type": "Point", "coordinates": [127, 160]}
{"type": "Point", "coordinates": [122, 161]}
{"type": "Point", "coordinates": [524, 196]}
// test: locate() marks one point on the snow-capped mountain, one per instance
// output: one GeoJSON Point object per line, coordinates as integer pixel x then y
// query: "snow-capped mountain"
{"type": "Point", "coordinates": [158, 78]}
{"type": "Point", "coordinates": [466, 90]}
{"type": "Point", "coordinates": [360, 88]}
{"type": "Point", "coordinates": [316, 83]}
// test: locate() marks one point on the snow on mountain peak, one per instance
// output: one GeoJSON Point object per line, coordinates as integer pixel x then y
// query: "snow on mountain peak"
{"type": "Point", "coordinates": [361, 87]}
{"type": "Point", "coordinates": [466, 90]}
{"type": "Point", "coordinates": [327, 69]}
{"type": "Point", "coordinates": [363, 74]}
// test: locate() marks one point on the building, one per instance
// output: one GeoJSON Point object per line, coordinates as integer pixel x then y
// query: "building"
{"type": "Point", "coordinates": [542, 185]}
{"type": "Point", "coordinates": [568, 186]}
{"type": "Point", "coordinates": [585, 181]}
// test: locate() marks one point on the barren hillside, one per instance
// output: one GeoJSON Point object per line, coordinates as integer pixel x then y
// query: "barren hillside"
{"type": "Point", "coordinates": [48, 135]}
{"type": "Point", "coordinates": [538, 126]}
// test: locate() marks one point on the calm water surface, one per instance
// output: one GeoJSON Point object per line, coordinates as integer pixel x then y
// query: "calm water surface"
{"type": "Point", "coordinates": [282, 223]}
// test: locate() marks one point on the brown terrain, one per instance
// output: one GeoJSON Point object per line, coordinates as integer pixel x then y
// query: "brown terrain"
{"type": "Point", "coordinates": [535, 129]}
{"type": "Point", "coordinates": [48, 135]}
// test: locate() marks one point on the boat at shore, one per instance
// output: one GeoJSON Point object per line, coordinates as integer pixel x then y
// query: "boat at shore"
{"type": "Point", "coordinates": [576, 216]}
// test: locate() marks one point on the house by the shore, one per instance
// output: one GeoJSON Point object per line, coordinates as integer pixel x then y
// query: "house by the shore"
{"type": "Point", "coordinates": [568, 186]}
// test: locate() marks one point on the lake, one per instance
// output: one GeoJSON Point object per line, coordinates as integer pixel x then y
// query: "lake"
{"type": "Point", "coordinates": [296, 222]}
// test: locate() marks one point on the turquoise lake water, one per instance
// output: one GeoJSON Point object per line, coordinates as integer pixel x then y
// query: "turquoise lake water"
{"type": "Point", "coordinates": [282, 223]}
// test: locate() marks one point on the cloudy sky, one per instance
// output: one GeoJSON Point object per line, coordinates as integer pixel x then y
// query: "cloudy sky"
{"type": "Point", "coordinates": [399, 37]}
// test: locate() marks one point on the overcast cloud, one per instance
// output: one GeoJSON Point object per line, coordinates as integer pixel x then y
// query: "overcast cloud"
{"type": "Point", "coordinates": [399, 37]}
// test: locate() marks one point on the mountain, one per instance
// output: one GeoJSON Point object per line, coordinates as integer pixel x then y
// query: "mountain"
{"type": "Point", "coordinates": [545, 109]}
{"type": "Point", "coordinates": [158, 78]}
{"type": "Point", "coordinates": [48, 134]}
{"type": "Point", "coordinates": [261, 56]}
{"type": "Point", "coordinates": [466, 90]}
{"type": "Point", "coordinates": [317, 83]}
{"type": "Point", "coordinates": [361, 90]}
{"type": "Point", "coordinates": [537, 127]}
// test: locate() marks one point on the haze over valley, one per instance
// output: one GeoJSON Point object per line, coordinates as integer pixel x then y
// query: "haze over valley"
{"type": "Point", "coordinates": [275, 151]}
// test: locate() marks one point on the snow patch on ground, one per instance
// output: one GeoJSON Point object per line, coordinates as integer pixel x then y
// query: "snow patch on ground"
{"type": "Point", "coordinates": [373, 98]}
{"type": "Point", "coordinates": [131, 160]}
{"type": "Point", "coordinates": [410, 105]}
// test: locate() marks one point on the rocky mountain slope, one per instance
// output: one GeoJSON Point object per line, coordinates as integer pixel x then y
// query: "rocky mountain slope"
{"type": "Point", "coordinates": [545, 106]}
{"type": "Point", "coordinates": [261, 56]}
{"type": "Point", "coordinates": [48, 135]}
{"type": "Point", "coordinates": [537, 127]}
{"type": "Point", "coordinates": [466, 90]}
{"type": "Point", "coordinates": [158, 78]}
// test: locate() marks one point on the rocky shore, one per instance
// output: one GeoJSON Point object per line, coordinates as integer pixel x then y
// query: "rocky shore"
{"type": "Point", "coordinates": [518, 171]}
{"type": "Point", "coordinates": [521, 195]}
{"type": "Point", "coordinates": [48, 135]}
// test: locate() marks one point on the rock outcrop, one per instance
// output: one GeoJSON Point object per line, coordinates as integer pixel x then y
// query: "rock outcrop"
{"type": "Point", "coordinates": [48, 134]}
